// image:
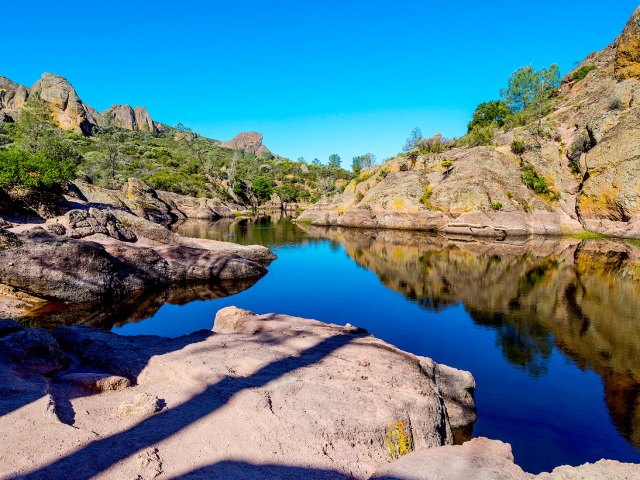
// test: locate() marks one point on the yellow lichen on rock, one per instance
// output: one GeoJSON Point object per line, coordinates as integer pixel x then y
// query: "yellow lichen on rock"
{"type": "Point", "coordinates": [627, 64]}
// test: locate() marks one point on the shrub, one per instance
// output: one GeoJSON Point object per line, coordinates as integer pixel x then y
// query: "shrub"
{"type": "Point", "coordinates": [446, 163]}
{"type": "Point", "coordinates": [399, 440]}
{"type": "Point", "coordinates": [518, 147]}
{"type": "Point", "coordinates": [359, 196]}
{"type": "Point", "coordinates": [615, 104]}
{"type": "Point", "coordinates": [33, 170]}
{"type": "Point", "coordinates": [425, 199]}
{"type": "Point", "coordinates": [582, 72]}
{"type": "Point", "coordinates": [532, 180]}
{"type": "Point", "coordinates": [263, 187]}
{"type": "Point", "coordinates": [480, 136]}
{"type": "Point", "coordinates": [496, 205]}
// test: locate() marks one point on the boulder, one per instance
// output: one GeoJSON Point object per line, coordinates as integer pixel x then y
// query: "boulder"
{"type": "Point", "coordinates": [248, 142]}
{"type": "Point", "coordinates": [484, 459]}
{"type": "Point", "coordinates": [9, 326]}
{"type": "Point", "coordinates": [143, 201]}
{"type": "Point", "coordinates": [32, 349]}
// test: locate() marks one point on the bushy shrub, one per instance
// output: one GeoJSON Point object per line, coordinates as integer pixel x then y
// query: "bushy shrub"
{"type": "Point", "coordinates": [532, 180]}
{"type": "Point", "coordinates": [518, 147]}
{"type": "Point", "coordinates": [447, 163]}
{"type": "Point", "coordinates": [263, 187]}
{"type": "Point", "coordinates": [33, 170]}
{"type": "Point", "coordinates": [480, 136]}
{"type": "Point", "coordinates": [496, 205]}
{"type": "Point", "coordinates": [490, 113]}
{"type": "Point", "coordinates": [582, 72]}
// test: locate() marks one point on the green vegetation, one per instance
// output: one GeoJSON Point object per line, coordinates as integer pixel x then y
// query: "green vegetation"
{"type": "Point", "coordinates": [19, 168]}
{"type": "Point", "coordinates": [362, 161]}
{"type": "Point", "coordinates": [490, 113]}
{"type": "Point", "coordinates": [413, 140]}
{"type": "Point", "coordinates": [36, 153]}
{"type": "Point", "coordinates": [398, 440]}
{"type": "Point", "coordinates": [425, 199]}
{"type": "Point", "coordinates": [518, 147]}
{"type": "Point", "coordinates": [533, 181]}
{"type": "Point", "coordinates": [480, 136]}
{"type": "Point", "coordinates": [582, 72]}
{"type": "Point", "coordinates": [496, 205]}
{"type": "Point", "coordinates": [447, 163]}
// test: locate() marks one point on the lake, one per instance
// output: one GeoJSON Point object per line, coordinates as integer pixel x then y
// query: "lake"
{"type": "Point", "coordinates": [550, 328]}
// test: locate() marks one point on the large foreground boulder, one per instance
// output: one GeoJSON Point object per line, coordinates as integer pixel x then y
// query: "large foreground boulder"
{"type": "Point", "coordinates": [261, 391]}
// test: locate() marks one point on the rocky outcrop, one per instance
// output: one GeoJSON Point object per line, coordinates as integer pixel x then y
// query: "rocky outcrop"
{"type": "Point", "coordinates": [12, 98]}
{"type": "Point", "coordinates": [281, 390]}
{"type": "Point", "coordinates": [68, 110]}
{"type": "Point", "coordinates": [69, 270]}
{"type": "Point", "coordinates": [484, 459]}
{"type": "Point", "coordinates": [587, 150]}
{"type": "Point", "coordinates": [248, 142]}
{"type": "Point", "coordinates": [129, 118]}
{"type": "Point", "coordinates": [627, 62]}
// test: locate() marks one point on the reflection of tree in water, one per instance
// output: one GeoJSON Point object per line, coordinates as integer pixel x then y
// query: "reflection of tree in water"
{"type": "Point", "coordinates": [524, 344]}
{"type": "Point", "coordinates": [581, 297]}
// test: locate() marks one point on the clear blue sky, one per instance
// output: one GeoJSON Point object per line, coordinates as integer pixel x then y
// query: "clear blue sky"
{"type": "Point", "coordinates": [316, 77]}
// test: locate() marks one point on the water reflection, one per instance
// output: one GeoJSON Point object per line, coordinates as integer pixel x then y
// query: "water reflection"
{"type": "Point", "coordinates": [135, 307]}
{"type": "Point", "coordinates": [583, 297]}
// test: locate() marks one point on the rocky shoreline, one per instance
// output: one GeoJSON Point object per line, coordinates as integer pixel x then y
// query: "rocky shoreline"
{"type": "Point", "coordinates": [259, 396]}
{"type": "Point", "coordinates": [587, 152]}
{"type": "Point", "coordinates": [110, 244]}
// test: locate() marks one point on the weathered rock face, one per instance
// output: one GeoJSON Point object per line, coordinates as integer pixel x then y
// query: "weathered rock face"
{"type": "Point", "coordinates": [12, 98]}
{"type": "Point", "coordinates": [68, 109]}
{"type": "Point", "coordinates": [247, 141]}
{"type": "Point", "coordinates": [627, 62]}
{"type": "Point", "coordinates": [281, 390]}
{"type": "Point", "coordinates": [129, 118]}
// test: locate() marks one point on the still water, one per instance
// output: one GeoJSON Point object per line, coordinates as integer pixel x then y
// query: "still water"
{"type": "Point", "coordinates": [550, 328]}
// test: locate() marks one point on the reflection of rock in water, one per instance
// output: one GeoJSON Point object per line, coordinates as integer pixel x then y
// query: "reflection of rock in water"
{"type": "Point", "coordinates": [268, 230]}
{"type": "Point", "coordinates": [584, 296]}
{"type": "Point", "coordinates": [134, 308]}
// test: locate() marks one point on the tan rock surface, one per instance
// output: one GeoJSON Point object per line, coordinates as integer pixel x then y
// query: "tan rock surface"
{"type": "Point", "coordinates": [289, 394]}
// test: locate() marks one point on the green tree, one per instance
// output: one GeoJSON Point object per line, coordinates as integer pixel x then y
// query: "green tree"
{"type": "Point", "coordinates": [413, 140]}
{"type": "Point", "coordinates": [316, 161]}
{"type": "Point", "coordinates": [356, 164]}
{"type": "Point", "coordinates": [529, 88]}
{"type": "Point", "coordinates": [490, 113]}
{"type": "Point", "coordinates": [263, 187]}
{"type": "Point", "coordinates": [334, 160]}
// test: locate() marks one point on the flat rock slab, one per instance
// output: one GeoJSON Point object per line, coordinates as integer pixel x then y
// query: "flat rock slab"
{"type": "Point", "coordinates": [263, 393]}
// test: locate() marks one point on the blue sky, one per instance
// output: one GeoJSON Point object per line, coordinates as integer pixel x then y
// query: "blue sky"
{"type": "Point", "coordinates": [316, 77]}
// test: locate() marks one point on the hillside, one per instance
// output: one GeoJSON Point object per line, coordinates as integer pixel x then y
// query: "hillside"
{"type": "Point", "coordinates": [573, 168]}
{"type": "Point", "coordinates": [121, 142]}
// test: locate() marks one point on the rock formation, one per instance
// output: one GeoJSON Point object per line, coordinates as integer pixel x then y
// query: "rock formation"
{"type": "Point", "coordinates": [279, 390]}
{"type": "Point", "coordinates": [627, 63]}
{"type": "Point", "coordinates": [129, 118]}
{"type": "Point", "coordinates": [589, 154]}
{"type": "Point", "coordinates": [247, 141]}
{"type": "Point", "coordinates": [484, 459]}
{"type": "Point", "coordinates": [68, 110]}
